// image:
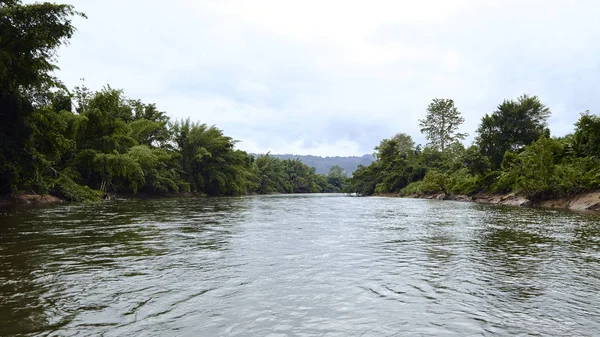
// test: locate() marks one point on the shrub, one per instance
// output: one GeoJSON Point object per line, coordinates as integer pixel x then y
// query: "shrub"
{"type": "Point", "coordinates": [67, 189]}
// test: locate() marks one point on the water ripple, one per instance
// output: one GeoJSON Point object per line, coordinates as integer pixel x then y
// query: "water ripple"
{"type": "Point", "coordinates": [298, 265]}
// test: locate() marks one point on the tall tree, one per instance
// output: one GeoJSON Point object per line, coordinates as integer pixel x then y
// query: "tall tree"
{"type": "Point", "coordinates": [441, 124]}
{"type": "Point", "coordinates": [586, 140]}
{"type": "Point", "coordinates": [29, 37]}
{"type": "Point", "coordinates": [515, 124]}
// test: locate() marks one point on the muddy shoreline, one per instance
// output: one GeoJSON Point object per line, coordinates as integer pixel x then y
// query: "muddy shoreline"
{"type": "Point", "coordinates": [29, 199]}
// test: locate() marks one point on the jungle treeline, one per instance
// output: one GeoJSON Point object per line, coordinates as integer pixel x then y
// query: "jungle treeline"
{"type": "Point", "coordinates": [513, 152]}
{"type": "Point", "coordinates": [82, 145]}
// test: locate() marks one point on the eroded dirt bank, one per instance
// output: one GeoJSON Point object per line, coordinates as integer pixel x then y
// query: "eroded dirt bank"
{"type": "Point", "coordinates": [28, 199]}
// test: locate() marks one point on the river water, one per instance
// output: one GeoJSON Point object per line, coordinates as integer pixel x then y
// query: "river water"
{"type": "Point", "coordinates": [298, 265]}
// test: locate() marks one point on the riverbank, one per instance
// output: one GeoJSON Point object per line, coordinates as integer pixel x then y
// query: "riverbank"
{"type": "Point", "coordinates": [29, 199]}
{"type": "Point", "coordinates": [39, 199]}
{"type": "Point", "coordinates": [589, 201]}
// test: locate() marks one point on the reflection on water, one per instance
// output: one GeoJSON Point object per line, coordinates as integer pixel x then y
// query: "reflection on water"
{"type": "Point", "coordinates": [298, 266]}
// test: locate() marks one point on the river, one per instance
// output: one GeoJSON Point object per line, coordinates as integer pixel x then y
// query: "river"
{"type": "Point", "coordinates": [298, 265]}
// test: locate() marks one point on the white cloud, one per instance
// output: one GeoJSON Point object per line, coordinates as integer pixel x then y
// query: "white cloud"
{"type": "Point", "coordinates": [335, 77]}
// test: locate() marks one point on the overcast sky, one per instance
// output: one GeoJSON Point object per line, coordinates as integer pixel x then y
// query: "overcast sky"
{"type": "Point", "coordinates": [336, 77]}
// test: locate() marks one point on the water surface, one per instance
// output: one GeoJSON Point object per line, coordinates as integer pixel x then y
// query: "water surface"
{"type": "Point", "coordinates": [298, 265]}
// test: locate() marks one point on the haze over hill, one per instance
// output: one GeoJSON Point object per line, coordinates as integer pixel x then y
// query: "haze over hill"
{"type": "Point", "coordinates": [323, 164]}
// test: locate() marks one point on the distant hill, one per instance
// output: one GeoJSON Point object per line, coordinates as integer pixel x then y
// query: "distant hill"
{"type": "Point", "coordinates": [322, 164]}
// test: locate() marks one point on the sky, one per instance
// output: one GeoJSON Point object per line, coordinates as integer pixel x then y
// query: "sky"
{"type": "Point", "coordinates": [334, 78]}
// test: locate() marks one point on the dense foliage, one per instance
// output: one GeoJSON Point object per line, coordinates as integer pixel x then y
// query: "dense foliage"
{"type": "Point", "coordinates": [109, 144]}
{"type": "Point", "coordinates": [515, 124]}
{"type": "Point", "coordinates": [82, 145]}
{"type": "Point", "coordinates": [29, 35]}
{"type": "Point", "coordinates": [513, 153]}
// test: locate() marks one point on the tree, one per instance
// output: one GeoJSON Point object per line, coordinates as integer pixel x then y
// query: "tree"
{"type": "Point", "coordinates": [475, 162]}
{"type": "Point", "coordinates": [336, 179]}
{"type": "Point", "coordinates": [364, 180]}
{"type": "Point", "coordinates": [396, 166]}
{"type": "Point", "coordinates": [441, 124]}
{"type": "Point", "coordinates": [270, 175]}
{"type": "Point", "coordinates": [586, 140]}
{"type": "Point", "coordinates": [536, 164]}
{"type": "Point", "coordinates": [399, 145]}
{"type": "Point", "coordinates": [209, 161]}
{"type": "Point", "coordinates": [301, 178]}
{"type": "Point", "coordinates": [515, 124]}
{"type": "Point", "coordinates": [29, 37]}
{"type": "Point", "coordinates": [405, 143]}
